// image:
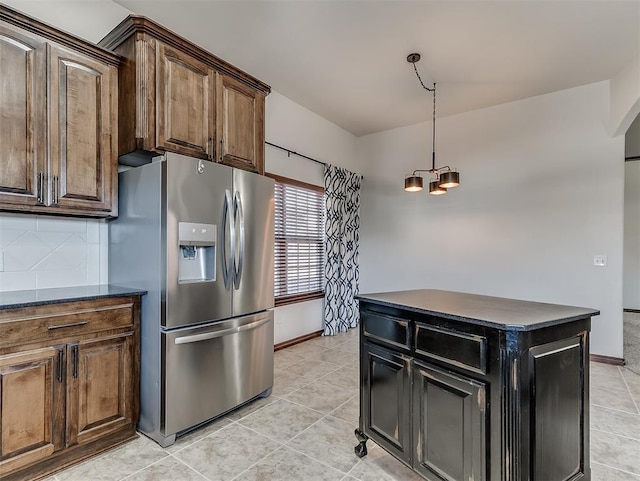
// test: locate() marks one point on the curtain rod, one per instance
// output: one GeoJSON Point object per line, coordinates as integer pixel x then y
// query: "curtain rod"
{"type": "Point", "coordinates": [289, 152]}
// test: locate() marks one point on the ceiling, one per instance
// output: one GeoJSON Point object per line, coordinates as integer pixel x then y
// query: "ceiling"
{"type": "Point", "coordinates": [346, 59]}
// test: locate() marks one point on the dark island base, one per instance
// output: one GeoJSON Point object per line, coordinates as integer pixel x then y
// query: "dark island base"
{"type": "Point", "coordinates": [457, 399]}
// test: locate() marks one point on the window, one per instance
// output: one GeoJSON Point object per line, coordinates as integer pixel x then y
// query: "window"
{"type": "Point", "coordinates": [299, 241]}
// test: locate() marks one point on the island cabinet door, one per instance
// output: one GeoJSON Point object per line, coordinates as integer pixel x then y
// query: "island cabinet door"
{"type": "Point", "coordinates": [557, 401]}
{"type": "Point", "coordinates": [386, 399]}
{"type": "Point", "coordinates": [31, 395]}
{"type": "Point", "coordinates": [99, 387]}
{"type": "Point", "coordinates": [449, 425]}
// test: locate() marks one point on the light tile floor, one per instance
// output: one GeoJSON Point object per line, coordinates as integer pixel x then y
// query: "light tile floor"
{"type": "Point", "coordinates": [304, 430]}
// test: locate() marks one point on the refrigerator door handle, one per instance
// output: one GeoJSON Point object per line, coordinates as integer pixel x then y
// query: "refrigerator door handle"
{"type": "Point", "coordinates": [237, 208]}
{"type": "Point", "coordinates": [224, 332]}
{"type": "Point", "coordinates": [227, 260]}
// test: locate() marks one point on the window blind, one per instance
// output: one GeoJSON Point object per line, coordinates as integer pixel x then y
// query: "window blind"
{"type": "Point", "coordinates": [299, 240]}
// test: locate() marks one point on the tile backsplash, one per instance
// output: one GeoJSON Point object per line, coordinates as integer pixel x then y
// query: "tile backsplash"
{"type": "Point", "coordinates": [41, 251]}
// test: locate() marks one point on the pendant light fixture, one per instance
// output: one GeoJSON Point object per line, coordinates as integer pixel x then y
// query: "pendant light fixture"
{"type": "Point", "coordinates": [445, 177]}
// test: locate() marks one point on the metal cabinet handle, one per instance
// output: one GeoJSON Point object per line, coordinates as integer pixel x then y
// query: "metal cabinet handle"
{"type": "Point", "coordinates": [56, 187]}
{"type": "Point", "coordinates": [60, 364]}
{"type": "Point", "coordinates": [212, 143]}
{"type": "Point", "coordinates": [237, 209]}
{"type": "Point", "coordinates": [213, 335]}
{"type": "Point", "coordinates": [40, 196]}
{"type": "Point", "coordinates": [221, 149]}
{"type": "Point", "coordinates": [64, 326]}
{"type": "Point", "coordinates": [75, 361]}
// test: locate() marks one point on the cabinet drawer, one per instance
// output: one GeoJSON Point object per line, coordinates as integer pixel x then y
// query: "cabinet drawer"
{"type": "Point", "coordinates": [392, 331]}
{"type": "Point", "coordinates": [460, 349]}
{"type": "Point", "coordinates": [64, 324]}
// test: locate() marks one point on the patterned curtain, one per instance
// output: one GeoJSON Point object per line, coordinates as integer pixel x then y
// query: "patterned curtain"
{"type": "Point", "coordinates": [342, 223]}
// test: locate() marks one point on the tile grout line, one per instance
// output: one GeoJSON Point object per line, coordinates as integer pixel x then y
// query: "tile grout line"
{"type": "Point", "coordinates": [189, 466]}
{"type": "Point", "coordinates": [302, 405]}
{"type": "Point", "coordinates": [315, 459]}
{"type": "Point", "coordinates": [616, 469]}
{"type": "Point", "coordinates": [285, 444]}
{"type": "Point", "coordinates": [257, 462]}
{"type": "Point", "coordinates": [201, 438]}
{"type": "Point", "coordinates": [613, 409]}
{"type": "Point", "coordinates": [274, 439]}
{"type": "Point", "coordinates": [615, 434]}
{"type": "Point", "coordinates": [628, 390]}
{"type": "Point", "coordinates": [147, 466]}
{"type": "Point", "coordinates": [359, 460]}
{"type": "Point", "coordinates": [309, 427]}
{"type": "Point", "coordinates": [280, 444]}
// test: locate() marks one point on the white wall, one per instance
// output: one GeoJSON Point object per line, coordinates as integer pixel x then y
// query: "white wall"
{"type": "Point", "coordinates": [631, 269]}
{"type": "Point", "coordinates": [625, 97]}
{"type": "Point", "coordinates": [294, 127]}
{"type": "Point", "coordinates": [541, 194]}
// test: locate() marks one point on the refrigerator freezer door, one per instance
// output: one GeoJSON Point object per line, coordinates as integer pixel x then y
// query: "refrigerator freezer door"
{"type": "Point", "coordinates": [195, 195]}
{"type": "Point", "coordinates": [253, 253]}
{"type": "Point", "coordinates": [214, 368]}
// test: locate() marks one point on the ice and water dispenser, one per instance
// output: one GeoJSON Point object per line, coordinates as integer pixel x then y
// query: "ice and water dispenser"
{"type": "Point", "coordinates": [197, 257]}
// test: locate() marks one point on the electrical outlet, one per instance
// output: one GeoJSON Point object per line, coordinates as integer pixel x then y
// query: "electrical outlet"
{"type": "Point", "coordinates": [600, 260]}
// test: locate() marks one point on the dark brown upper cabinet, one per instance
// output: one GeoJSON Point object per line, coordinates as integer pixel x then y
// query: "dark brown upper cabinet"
{"type": "Point", "coordinates": [58, 114]}
{"type": "Point", "coordinates": [185, 104]}
{"type": "Point", "coordinates": [240, 116]}
{"type": "Point", "coordinates": [174, 96]}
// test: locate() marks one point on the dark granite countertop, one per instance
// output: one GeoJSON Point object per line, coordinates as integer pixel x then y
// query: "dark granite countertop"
{"type": "Point", "coordinates": [496, 312]}
{"type": "Point", "coordinates": [36, 297]}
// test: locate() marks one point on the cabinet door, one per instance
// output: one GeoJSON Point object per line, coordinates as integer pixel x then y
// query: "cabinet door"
{"type": "Point", "coordinates": [386, 399]}
{"type": "Point", "coordinates": [185, 109]}
{"type": "Point", "coordinates": [558, 400]}
{"type": "Point", "coordinates": [31, 412]}
{"type": "Point", "coordinates": [240, 111]}
{"type": "Point", "coordinates": [22, 117]}
{"type": "Point", "coordinates": [449, 431]}
{"type": "Point", "coordinates": [100, 387]}
{"type": "Point", "coordinates": [82, 131]}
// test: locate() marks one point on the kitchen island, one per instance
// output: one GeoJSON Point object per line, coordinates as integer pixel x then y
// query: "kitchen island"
{"type": "Point", "coordinates": [467, 387]}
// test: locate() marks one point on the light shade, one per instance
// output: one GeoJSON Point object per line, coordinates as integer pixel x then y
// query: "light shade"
{"type": "Point", "coordinates": [449, 179]}
{"type": "Point", "coordinates": [435, 188]}
{"type": "Point", "coordinates": [413, 183]}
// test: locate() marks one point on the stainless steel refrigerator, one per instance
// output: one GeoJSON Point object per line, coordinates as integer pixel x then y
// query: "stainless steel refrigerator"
{"type": "Point", "coordinates": [198, 236]}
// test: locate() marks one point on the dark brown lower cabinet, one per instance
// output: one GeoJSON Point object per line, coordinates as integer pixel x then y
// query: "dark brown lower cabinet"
{"type": "Point", "coordinates": [100, 388]}
{"type": "Point", "coordinates": [69, 383]}
{"type": "Point", "coordinates": [30, 397]}
{"type": "Point", "coordinates": [462, 399]}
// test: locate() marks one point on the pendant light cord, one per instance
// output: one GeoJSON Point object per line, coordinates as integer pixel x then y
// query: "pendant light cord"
{"type": "Point", "coordinates": [420, 79]}
{"type": "Point", "coordinates": [433, 139]}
